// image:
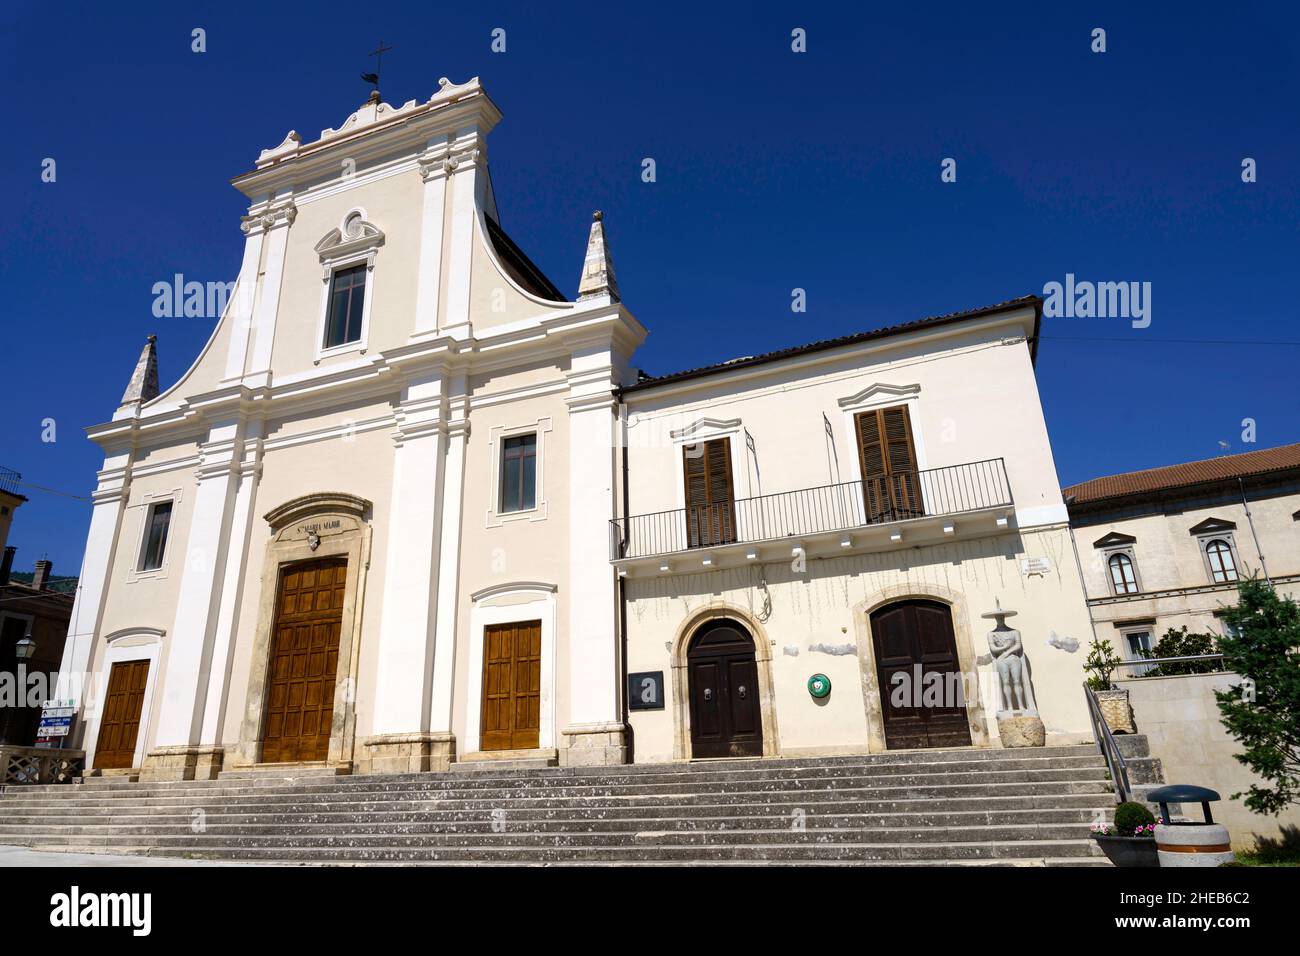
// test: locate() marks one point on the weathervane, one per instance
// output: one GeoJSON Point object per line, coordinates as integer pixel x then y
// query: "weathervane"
{"type": "Point", "coordinates": [378, 54]}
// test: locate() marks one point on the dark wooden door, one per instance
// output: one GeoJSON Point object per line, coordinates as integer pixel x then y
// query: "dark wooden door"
{"type": "Point", "coordinates": [723, 684]}
{"type": "Point", "coordinates": [512, 686]}
{"type": "Point", "coordinates": [890, 481]}
{"type": "Point", "coordinates": [119, 727]}
{"type": "Point", "coordinates": [922, 697]}
{"type": "Point", "coordinates": [304, 661]}
{"type": "Point", "coordinates": [710, 498]}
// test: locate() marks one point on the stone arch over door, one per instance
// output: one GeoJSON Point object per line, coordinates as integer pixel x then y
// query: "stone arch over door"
{"type": "Point", "coordinates": [320, 525]}
{"type": "Point", "coordinates": [966, 656]}
{"type": "Point", "coordinates": [680, 670]}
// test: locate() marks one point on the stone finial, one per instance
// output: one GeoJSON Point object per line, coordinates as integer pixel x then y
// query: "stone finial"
{"type": "Point", "coordinates": [598, 269]}
{"type": "Point", "coordinates": [144, 380]}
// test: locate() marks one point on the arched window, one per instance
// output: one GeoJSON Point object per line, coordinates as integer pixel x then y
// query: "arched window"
{"type": "Point", "coordinates": [1122, 577]}
{"type": "Point", "coordinates": [1223, 567]}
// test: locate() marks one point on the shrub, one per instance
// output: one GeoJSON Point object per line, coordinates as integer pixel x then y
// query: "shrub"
{"type": "Point", "coordinates": [1101, 663]}
{"type": "Point", "coordinates": [1130, 816]}
{"type": "Point", "coordinates": [1180, 643]}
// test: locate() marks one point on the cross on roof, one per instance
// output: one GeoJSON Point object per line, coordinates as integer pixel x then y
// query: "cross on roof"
{"type": "Point", "coordinates": [378, 53]}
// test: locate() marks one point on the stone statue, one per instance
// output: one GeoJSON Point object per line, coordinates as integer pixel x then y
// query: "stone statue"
{"type": "Point", "coordinates": [1018, 721]}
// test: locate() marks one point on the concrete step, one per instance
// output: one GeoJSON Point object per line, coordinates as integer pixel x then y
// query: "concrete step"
{"type": "Point", "coordinates": [789, 798]}
{"type": "Point", "coordinates": [461, 784]}
{"type": "Point", "coordinates": [916, 807]}
{"type": "Point", "coordinates": [465, 783]}
{"type": "Point", "coordinates": [411, 837]}
{"type": "Point", "coordinates": [652, 819]}
{"type": "Point", "coordinates": [624, 855]}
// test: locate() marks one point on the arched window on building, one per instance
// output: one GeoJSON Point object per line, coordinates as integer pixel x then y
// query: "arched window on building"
{"type": "Point", "coordinates": [1122, 578]}
{"type": "Point", "coordinates": [1223, 567]}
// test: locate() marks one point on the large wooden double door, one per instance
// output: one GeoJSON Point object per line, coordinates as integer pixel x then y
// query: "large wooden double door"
{"type": "Point", "coordinates": [726, 718]}
{"type": "Point", "coordinates": [119, 723]}
{"type": "Point", "coordinates": [922, 696]}
{"type": "Point", "coordinates": [510, 717]}
{"type": "Point", "coordinates": [304, 661]}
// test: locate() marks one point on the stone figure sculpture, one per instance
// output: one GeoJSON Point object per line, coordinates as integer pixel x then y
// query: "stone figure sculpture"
{"type": "Point", "coordinates": [1018, 721]}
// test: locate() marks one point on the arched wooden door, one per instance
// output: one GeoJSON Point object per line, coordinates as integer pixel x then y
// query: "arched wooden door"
{"type": "Point", "coordinates": [922, 695]}
{"type": "Point", "coordinates": [722, 675]}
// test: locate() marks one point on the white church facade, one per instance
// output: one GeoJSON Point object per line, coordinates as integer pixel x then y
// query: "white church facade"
{"type": "Point", "coordinates": [411, 506]}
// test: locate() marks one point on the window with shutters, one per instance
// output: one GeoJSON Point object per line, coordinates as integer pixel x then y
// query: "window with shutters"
{"type": "Point", "coordinates": [710, 499]}
{"type": "Point", "coordinates": [891, 487]}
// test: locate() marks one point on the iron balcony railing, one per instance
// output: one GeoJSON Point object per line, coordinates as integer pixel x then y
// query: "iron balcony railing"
{"type": "Point", "coordinates": [791, 514]}
{"type": "Point", "coordinates": [9, 480]}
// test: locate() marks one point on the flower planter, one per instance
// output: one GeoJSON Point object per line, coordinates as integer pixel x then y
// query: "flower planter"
{"type": "Point", "coordinates": [1129, 851]}
{"type": "Point", "coordinates": [1116, 711]}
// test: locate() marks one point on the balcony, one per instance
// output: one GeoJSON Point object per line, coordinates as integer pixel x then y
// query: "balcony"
{"type": "Point", "coordinates": [901, 510]}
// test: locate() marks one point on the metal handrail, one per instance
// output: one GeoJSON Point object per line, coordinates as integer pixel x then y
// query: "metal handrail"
{"type": "Point", "coordinates": [1152, 661]}
{"type": "Point", "coordinates": [9, 480]}
{"type": "Point", "coordinates": [885, 499]}
{"type": "Point", "coordinates": [1109, 748]}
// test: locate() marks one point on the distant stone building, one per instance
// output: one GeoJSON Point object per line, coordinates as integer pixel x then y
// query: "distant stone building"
{"type": "Point", "coordinates": [34, 606]}
{"type": "Point", "coordinates": [1164, 548]}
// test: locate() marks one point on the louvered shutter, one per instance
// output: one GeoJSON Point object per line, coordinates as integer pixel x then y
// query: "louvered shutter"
{"type": "Point", "coordinates": [890, 484]}
{"type": "Point", "coordinates": [710, 508]}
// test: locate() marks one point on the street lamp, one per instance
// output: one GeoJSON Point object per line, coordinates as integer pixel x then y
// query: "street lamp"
{"type": "Point", "coordinates": [25, 648]}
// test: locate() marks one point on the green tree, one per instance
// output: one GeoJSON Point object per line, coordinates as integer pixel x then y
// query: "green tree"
{"type": "Point", "coordinates": [1177, 642]}
{"type": "Point", "coordinates": [1263, 711]}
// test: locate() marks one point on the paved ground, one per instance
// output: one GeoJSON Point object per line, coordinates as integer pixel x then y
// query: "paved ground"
{"type": "Point", "coordinates": [23, 856]}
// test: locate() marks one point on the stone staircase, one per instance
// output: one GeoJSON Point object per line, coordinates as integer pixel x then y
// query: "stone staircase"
{"type": "Point", "coordinates": [1021, 807]}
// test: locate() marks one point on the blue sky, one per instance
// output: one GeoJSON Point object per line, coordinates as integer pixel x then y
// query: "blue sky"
{"type": "Point", "coordinates": [775, 170]}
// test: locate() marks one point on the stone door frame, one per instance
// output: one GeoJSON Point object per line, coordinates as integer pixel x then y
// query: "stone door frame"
{"type": "Point", "coordinates": [966, 657]}
{"type": "Point", "coordinates": [321, 525]}
{"type": "Point", "coordinates": [681, 676]}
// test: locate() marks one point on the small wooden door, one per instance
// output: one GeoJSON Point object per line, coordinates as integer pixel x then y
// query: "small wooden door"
{"type": "Point", "coordinates": [304, 661]}
{"type": "Point", "coordinates": [119, 727]}
{"type": "Point", "coordinates": [926, 705]}
{"type": "Point", "coordinates": [723, 683]}
{"type": "Point", "coordinates": [710, 499]}
{"type": "Point", "coordinates": [890, 480]}
{"type": "Point", "coordinates": [512, 686]}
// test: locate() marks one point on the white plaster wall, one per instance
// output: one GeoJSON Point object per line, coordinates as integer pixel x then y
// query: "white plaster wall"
{"type": "Point", "coordinates": [828, 606]}
{"type": "Point", "coordinates": [977, 400]}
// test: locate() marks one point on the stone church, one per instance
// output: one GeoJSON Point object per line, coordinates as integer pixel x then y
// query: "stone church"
{"type": "Point", "coordinates": [412, 506]}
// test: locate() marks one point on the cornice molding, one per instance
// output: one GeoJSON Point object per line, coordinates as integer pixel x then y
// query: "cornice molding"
{"type": "Point", "coordinates": [323, 502]}
{"type": "Point", "coordinates": [877, 391]}
{"type": "Point", "coordinates": [354, 236]}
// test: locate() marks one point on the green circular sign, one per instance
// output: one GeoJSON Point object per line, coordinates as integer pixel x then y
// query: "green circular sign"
{"type": "Point", "coordinates": [819, 685]}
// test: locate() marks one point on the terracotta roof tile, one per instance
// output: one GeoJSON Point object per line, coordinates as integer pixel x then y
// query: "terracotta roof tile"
{"type": "Point", "coordinates": [1188, 473]}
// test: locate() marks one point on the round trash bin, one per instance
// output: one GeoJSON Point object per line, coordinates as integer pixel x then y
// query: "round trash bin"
{"type": "Point", "coordinates": [1190, 843]}
{"type": "Point", "coordinates": [1193, 844]}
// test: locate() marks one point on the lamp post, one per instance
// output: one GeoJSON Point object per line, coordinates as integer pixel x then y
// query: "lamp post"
{"type": "Point", "coordinates": [23, 651]}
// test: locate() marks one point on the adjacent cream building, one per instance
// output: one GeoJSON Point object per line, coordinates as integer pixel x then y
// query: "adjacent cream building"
{"type": "Point", "coordinates": [410, 506]}
{"type": "Point", "coordinates": [1164, 548]}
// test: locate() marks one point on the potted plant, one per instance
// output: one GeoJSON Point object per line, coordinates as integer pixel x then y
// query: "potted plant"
{"type": "Point", "coordinates": [1112, 700]}
{"type": "Point", "coordinates": [1131, 839]}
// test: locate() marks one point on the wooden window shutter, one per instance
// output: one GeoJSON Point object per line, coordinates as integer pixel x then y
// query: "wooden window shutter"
{"type": "Point", "coordinates": [710, 501]}
{"type": "Point", "coordinates": [887, 454]}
